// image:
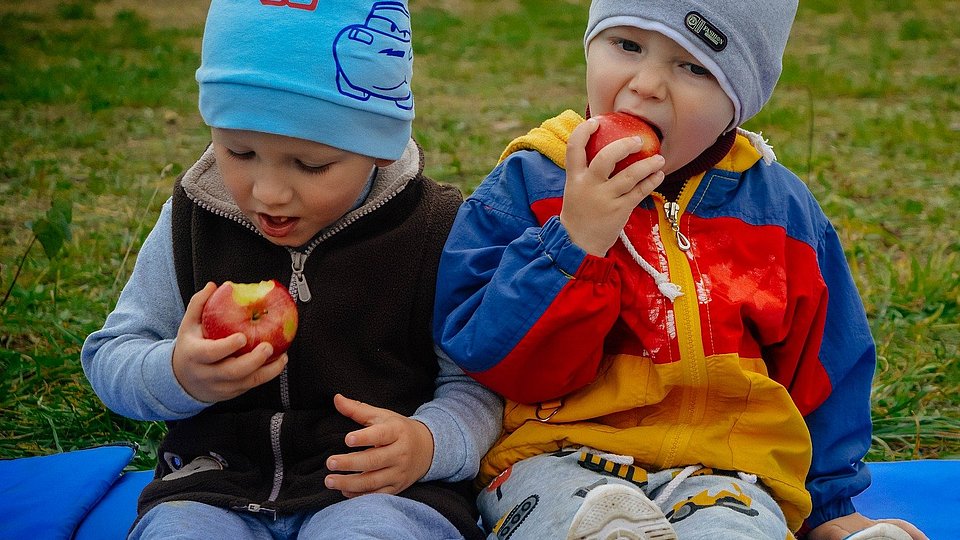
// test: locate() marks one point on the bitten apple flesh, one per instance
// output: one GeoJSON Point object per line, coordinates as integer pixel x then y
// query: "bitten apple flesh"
{"type": "Point", "coordinates": [263, 312]}
{"type": "Point", "coordinates": [619, 125]}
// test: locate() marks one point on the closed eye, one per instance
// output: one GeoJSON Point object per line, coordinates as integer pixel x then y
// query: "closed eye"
{"type": "Point", "coordinates": [313, 169]}
{"type": "Point", "coordinates": [240, 155]}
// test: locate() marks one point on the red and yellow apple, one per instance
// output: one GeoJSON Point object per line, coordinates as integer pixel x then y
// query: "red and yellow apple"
{"type": "Point", "coordinates": [618, 125]}
{"type": "Point", "coordinates": [263, 312]}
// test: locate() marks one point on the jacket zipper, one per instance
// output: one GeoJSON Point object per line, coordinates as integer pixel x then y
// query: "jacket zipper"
{"type": "Point", "coordinates": [686, 314]}
{"type": "Point", "coordinates": [671, 209]}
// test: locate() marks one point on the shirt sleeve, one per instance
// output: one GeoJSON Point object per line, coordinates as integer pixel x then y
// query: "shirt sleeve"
{"type": "Point", "coordinates": [129, 362]}
{"type": "Point", "coordinates": [465, 419]}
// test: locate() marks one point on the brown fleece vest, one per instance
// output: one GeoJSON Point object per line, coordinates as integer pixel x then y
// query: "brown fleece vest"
{"type": "Point", "coordinates": [366, 333]}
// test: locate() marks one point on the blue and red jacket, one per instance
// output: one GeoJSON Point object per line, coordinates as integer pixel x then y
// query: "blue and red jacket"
{"type": "Point", "coordinates": [763, 365]}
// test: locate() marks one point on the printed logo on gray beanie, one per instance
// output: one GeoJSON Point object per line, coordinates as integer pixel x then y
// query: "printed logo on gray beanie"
{"type": "Point", "coordinates": [741, 42]}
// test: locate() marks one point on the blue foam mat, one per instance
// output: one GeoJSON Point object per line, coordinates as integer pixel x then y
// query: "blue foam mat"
{"type": "Point", "coordinates": [114, 514]}
{"type": "Point", "coordinates": [93, 499]}
{"type": "Point", "coordinates": [49, 496]}
{"type": "Point", "coordinates": [923, 492]}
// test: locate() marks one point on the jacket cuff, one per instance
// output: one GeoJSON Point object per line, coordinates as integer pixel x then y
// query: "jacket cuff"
{"type": "Point", "coordinates": [570, 258]}
{"type": "Point", "coordinates": [824, 513]}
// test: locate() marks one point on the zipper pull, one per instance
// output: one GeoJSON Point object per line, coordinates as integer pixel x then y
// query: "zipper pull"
{"type": "Point", "coordinates": [297, 280]}
{"type": "Point", "coordinates": [255, 508]}
{"type": "Point", "coordinates": [672, 211]}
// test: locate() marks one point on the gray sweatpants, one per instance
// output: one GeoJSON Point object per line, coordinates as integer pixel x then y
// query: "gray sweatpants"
{"type": "Point", "coordinates": [538, 497]}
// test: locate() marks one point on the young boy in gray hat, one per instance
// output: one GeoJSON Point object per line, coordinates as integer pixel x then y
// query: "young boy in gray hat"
{"type": "Point", "coordinates": [312, 179]}
{"type": "Point", "coordinates": [681, 344]}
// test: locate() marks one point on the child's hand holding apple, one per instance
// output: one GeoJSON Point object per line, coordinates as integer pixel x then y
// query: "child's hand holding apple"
{"type": "Point", "coordinates": [227, 346]}
{"type": "Point", "coordinates": [612, 164]}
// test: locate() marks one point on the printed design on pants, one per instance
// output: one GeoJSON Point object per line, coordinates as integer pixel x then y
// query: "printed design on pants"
{"type": "Point", "coordinates": [630, 473]}
{"type": "Point", "coordinates": [738, 502]}
{"type": "Point", "coordinates": [507, 525]}
{"type": "Point", "coordinates": [498, 481]}
{"type": "Point", "coordinates": [582, 492]}
{"type": "Point", "coordinates": [709, 471]}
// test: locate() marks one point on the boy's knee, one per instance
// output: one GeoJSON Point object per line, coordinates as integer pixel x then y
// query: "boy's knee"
{"type": "Point", "coordinates": [378, 516]}
{"type": "Point", "coordinates": [188, 520]}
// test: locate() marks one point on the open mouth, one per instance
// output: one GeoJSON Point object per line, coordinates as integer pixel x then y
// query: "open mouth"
{"type": "Point", "coordinates": [276, 226]}
{"type": "Point", "coordinates": [657, 131]}
{"type": "Point", "coordinates": [656, 128]}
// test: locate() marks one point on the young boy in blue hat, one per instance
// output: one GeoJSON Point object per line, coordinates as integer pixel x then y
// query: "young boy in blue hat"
{"type": "Point", "coordinates": [681, 344]}
{"type": "Point", "coordinates": [359, 430]}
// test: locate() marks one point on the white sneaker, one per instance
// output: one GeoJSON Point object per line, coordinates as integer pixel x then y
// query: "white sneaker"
{"type": "Point", "coordinates": [614, 511]}
{"type": "Point", "coordinates": [880, 531]}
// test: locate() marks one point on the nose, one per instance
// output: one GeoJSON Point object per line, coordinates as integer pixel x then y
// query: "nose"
{"type": "Point", "coordinates": [271, 188]}
{"type": "Point", "coordinates": [648, 83]}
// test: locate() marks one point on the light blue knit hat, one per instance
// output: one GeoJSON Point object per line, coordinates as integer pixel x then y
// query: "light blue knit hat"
{"type": "Point", "coordinates": [337, 73]}
{"type": "Point", "coordinates": [741, 42]}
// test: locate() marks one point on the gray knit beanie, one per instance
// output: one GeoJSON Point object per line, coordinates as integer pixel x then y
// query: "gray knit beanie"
{"type": "Point", "coordinates": [741, 42]}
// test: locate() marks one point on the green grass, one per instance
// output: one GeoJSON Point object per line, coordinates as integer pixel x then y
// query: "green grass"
{"type": "Point", "coordinates": [98, 104]}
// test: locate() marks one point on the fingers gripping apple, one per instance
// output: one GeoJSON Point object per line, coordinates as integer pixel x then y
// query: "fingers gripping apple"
{"type": "Point", "coordinates": [263, 312]}
{"type": "Point", "coordinates": [619, 125]}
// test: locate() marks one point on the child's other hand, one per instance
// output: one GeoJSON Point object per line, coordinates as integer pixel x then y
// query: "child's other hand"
{"type": "Point", "coordinates": [842, 527]}
{"type": "Point", "coordinates": [205, 367]}
{"type": "Point", "coordinates": [595, 207]}
{"type": "Point", "coordinates": [398, 451]}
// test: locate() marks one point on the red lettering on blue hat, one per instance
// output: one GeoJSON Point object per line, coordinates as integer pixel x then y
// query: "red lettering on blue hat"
{"type": "Point", "coordinates": [308, 5]}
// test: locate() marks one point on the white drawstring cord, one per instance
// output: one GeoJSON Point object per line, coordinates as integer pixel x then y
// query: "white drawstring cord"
{"type": "Point", "coordinates": [761, 144]}
{"type": "Point", "coordinates": [747, 477]}
{"type": "Point", "coordinates": [613, 458]}
{"type": "Point", "coordinates": [668, 289]}
{"type": "Point", "coordinates": [674, 484]}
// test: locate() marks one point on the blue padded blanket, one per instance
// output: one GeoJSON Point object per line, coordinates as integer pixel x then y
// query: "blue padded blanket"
{"type": "Point", "coordinates": [85, 495]}
{"type": "Point", "coordinates": [82, 494]}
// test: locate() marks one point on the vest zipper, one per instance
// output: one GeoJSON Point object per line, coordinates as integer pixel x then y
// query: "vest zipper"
{"type": "Point", "coordinates": [275, 422]}
{"type": "Point", "coordinates": [300, 290]}
{"type": "Point", "coordinates": [298, 287]}
{"type": "Point", "coordinates": [254, 508]}
{"type": "Point", "coordinates": [298, 283]}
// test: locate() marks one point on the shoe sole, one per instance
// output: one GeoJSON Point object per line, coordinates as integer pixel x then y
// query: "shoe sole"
{"type": "Point", "coordinates": [880, 531]}
{"type": "Point", "coordinates": [614, 511]}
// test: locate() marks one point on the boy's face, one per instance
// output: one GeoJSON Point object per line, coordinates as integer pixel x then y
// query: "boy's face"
{"type": "Point", "coordinates": [649, 75]}
{"type": "Point", "coordinates": [289, 188]}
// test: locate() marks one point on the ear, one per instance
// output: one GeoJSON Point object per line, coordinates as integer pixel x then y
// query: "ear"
{"type": "Point", "coordinates": [381, 162]}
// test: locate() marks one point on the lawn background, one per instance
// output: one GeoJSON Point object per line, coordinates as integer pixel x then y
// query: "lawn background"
{"type": "Point", "coordinates": [98, 116]}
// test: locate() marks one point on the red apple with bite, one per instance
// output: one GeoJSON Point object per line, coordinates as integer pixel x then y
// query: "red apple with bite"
{"type": "Point", "coordinates": [618, 125]}
{"type": "Point", "coordinates": [263, 312]}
